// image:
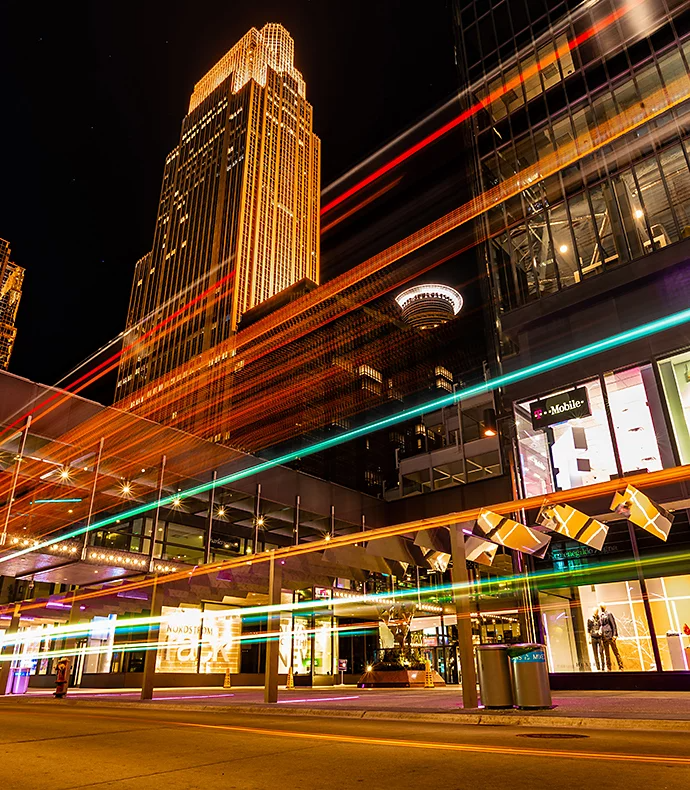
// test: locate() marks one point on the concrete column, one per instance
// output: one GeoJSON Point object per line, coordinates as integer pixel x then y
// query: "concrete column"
{"type": "Point", "coordinates": [7, 651]}
{"type": "Point", "coordinates": [275, 584]}
{"type": "Point", "coordinates": [71, 639]}
{"type": "Point", "coordinates": [461, 599]}
{"type": "Point", "coordinates": [147, 682]}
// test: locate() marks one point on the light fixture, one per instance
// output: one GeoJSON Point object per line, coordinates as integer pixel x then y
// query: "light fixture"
{"type": "Point", "coordinates": [563, 249]}
{"type": "Point", "coordinates": [490, 428]}
{"type": "Point", "coordinates": [177, 501]}
{"type": "Point", "coordinates": [126, 489]}
{"type": "Point", "coordinates": [639, 213]}
{"type": "Point", "coordinates": [221, 512]}
{"type": "Point", "coordinates": [260, 521]}
{"type": "Point", "coordinates": [64, 473]}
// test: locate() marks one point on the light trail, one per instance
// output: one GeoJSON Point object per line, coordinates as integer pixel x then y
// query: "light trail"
{"type": "Point", "coordinates": [113, 361]}
{"type": "Point", "coordinates": [296, 323]}
{"type": "Point", "coordinates": [398, 744]}
{"type": "Point", "coordinates": [510, 85]}
{"type": "Point", "coordinates": [561, 360]}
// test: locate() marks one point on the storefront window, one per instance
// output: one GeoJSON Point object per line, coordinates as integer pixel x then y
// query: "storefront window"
{"type": "Point", "coordinates": [669, 600]}
{"type": "Point", "coordinates": [576, 452]}
{"type": "Point", "coordinates": [569, 642]}
{"type": "Point", "coordinates": [633, 421]}
{"type": "Point", "coordinates": [675, 377]}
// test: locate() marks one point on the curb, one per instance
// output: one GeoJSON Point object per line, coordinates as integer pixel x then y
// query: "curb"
{"type": "Point", "coordinates": [474, 719]}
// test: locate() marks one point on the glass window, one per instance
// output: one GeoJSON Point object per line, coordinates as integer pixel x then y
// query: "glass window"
{"type": "Point", "coordinates": [675, 169]}
{"type": "Point", "coordinates": [675, 377]}
{"type": "Point", "coordinates": [588, 250]}
{"type": "Point", "coordinates": [670, 604]}
{"type": "Point", "coordinates": [534, 455]}
{"type": "Point", "coordinates": [577, 452]}
{"type": "Point", "coordinates": [568, 618]}
{"type": "Point", "coordinates": [636, 433]}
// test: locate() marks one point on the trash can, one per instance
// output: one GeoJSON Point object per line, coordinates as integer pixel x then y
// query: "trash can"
{"type": "Point", "coordinates": [530, 676]}
{"type": "Point", "coordinates": [20, 680]}
{"type": "Point", "coordinates": [495, 687]}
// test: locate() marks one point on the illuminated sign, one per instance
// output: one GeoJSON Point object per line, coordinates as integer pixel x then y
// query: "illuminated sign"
{"type": "Point", "coordinates": [191, 638]}
{"type": "Point", "coordinates": [560, 408]}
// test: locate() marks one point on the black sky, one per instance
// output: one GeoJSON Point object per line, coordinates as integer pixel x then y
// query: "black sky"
{"type": "Point", "coordinates": [92, 100]}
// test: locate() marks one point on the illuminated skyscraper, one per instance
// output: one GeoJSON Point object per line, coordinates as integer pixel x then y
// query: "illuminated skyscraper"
{"type": "Point", "coordinates": [239, 207]}
{"type": "Point", "coordinates": [11, 279]}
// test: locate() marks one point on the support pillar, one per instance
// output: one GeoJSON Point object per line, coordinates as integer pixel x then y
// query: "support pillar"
{"type": "Point", "coordinates": [461, 599]}
{"type": "Point", "coordinates": [96, 470]}
{"type": "Point", "coordinates": [275, 584]}
{"type": "Point", "coordinates": [147, 682]}
{"type": "Point", "coordinates": [8, 651]}
{"type": "Point", "coordinates": [209, 527]}
{"type": "Point", "coordinates": [15, 480]}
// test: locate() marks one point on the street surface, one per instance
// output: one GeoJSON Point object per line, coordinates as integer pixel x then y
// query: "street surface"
{"type": "Point", "coordinates": [65, 745]}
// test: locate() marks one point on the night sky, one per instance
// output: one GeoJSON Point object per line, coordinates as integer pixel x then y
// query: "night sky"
{"type": "Point", "coordinates": [93, 97]}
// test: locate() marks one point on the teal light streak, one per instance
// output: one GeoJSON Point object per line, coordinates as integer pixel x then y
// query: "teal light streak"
{"type": "Point", "coordinates": [51, 501]}
{"type": "Point", "coordinates": [559, 361]}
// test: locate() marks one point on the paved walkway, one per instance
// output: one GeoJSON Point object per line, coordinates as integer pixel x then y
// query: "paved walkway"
{"type": "Point", "coordinates": [608, 709]}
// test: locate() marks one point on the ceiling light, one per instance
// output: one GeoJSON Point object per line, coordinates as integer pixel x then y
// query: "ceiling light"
{"type": "Point", "coordinates": [563, 249]}
{"type": "Point", "coordinates": [639, 213]}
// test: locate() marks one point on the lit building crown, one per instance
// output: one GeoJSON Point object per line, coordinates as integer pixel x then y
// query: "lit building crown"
{"type": "Point", "coordinates": [429, 305]}
{"type": "Point", "coordinates": [271, 47]}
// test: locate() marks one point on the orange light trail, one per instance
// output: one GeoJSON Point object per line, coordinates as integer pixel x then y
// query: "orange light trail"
{"type": "Point", "coordinates": [607, 488]}
{"type": "Point", "coordinates": [510, 85]}
{"type": "Point", "coordinates": [401, 744]}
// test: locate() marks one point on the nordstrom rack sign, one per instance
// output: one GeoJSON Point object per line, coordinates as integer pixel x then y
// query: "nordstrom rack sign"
{"type": "Point", "coordinates": [560, 408]}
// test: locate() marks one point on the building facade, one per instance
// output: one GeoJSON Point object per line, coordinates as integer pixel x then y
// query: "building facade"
{"type": "Point", "coordinates": [598, 247]}
{"type": "Point", "coordinates": [238, 218]}
{"type": "Point", "coordinates": [11, 281]}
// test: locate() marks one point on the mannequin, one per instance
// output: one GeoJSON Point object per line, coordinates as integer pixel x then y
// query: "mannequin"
{"type": "Point", "coordinates": [594, 631]}
{"type": "Point", "coordinates": [609, 635]}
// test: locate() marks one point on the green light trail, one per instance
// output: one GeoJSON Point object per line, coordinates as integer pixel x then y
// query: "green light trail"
{"type": "Point", "coordinates": [559, 361]}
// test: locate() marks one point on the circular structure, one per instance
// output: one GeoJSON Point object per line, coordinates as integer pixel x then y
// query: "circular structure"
{"type": "Point", "coordinates": [430, 305]}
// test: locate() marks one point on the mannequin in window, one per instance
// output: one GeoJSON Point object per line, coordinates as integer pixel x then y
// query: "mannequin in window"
{"type": "Point", "coordinates": [594, 631]}
{"type": "Point", "coordinates": [609, 635]}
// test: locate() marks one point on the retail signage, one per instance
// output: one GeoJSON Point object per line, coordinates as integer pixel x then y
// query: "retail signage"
{"type": "Point", "coordinates": [342, 665]}
{"type": "Point", "coordinates": [560, 408]}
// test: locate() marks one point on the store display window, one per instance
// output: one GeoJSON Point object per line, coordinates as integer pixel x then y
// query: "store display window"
{"type": "Point", "coordinates": [638, 421]}
{"type": "Point", "coordinates": [563, 455]}
{"type": "Point", "coordinates": [579, 625]}
{"type": "Point", "coordinates": [574, 447]}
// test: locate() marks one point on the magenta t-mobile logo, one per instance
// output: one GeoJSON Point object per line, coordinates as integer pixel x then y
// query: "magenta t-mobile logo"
{"type": "Point", "coordinates": [538, 414]}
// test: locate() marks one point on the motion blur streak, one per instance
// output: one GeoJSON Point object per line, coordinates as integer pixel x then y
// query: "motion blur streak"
{"type": "Point", "coordinates": [585, 492]}
{"type": "Point", "coordinates": [485, 102]}
{"type": "Point", "coordinates": [112, 362]}
{"type": "Point", "coordinates": [408, 744]}
{"type": "Point", "coordinates": [612, 342]}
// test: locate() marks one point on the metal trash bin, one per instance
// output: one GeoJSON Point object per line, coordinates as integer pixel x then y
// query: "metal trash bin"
{"type": "Point", "coordinates": [493, 666]}
{"type": "Point", "coordinates": [530, 676]}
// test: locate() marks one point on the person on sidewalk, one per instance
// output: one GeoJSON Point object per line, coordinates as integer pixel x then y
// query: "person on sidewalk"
{"type": "Point", "coordinates": [61, 678]}
{"type": "Point", "coordinates": [594, 631]}
{"type": "Point", "coordinates": [609, 635]}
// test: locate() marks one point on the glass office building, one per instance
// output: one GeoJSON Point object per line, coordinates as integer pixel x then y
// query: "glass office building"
{"type": "Point", "coordinates": [593, 248]}
{"type": "Point", "coordinates": [562, 70]}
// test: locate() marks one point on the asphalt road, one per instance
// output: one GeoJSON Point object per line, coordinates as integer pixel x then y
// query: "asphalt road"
{"type": "Point", "coordinates": [65, 745]}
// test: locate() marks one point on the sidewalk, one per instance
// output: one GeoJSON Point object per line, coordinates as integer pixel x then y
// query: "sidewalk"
{"type": "Point", "coordinates": [592, 709]}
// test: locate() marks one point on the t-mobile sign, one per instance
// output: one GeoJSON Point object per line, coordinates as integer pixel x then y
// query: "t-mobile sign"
{"type": "Point", "coordinates": [560, 408]}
